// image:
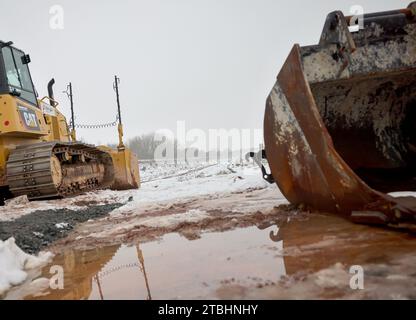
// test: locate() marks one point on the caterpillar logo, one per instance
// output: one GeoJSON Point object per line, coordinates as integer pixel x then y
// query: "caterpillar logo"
{"type": "Point", "coordinates": [29, 118]}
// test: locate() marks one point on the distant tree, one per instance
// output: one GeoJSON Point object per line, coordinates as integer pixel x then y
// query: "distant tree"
{"type": "Point", "coordinates": [144, 146]}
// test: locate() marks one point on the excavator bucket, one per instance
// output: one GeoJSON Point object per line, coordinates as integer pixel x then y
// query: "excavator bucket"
{"type": "Point", "coordinates": [126, 168]}
{"type": "Point", "coordinates": [340, 122]}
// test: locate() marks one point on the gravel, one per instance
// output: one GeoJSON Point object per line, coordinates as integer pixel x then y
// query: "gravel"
{"type": "Point", "coordinates": [35, 231]}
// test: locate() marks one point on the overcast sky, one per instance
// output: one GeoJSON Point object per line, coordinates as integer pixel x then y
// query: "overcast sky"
{"type": "Point", "coordinates": [211, 63]}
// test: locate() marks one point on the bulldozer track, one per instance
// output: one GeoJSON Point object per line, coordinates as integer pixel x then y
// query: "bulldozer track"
{"type": "Point", "coordinates": [58, 169]}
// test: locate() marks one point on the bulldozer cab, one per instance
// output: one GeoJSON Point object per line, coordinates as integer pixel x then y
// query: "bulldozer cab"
{"type": "Point", "coordinates": [39, 157]}
{"type": "Point", "coordinates": [340, 121]}
{"type": "Point", "coordinates": [15, 78]}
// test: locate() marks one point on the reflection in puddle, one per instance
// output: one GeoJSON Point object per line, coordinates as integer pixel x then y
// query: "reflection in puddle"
{"type": "Point", "coordinates": [173, 268]}
{"type": "Point", "coordinates": [313, 252]}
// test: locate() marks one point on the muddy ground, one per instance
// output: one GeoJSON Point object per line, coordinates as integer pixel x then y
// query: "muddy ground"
{"type": "Point", "coordinates": [216, 235]}
{"type": "Point", "coordinates": [211, 215]}
{"type": "Point", "coordinates": [281, 254]}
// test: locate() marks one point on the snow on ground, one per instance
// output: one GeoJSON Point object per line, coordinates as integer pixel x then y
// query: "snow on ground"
{"type": "Point", "coordinates": [162, 185]}
{"type": "Point", "coordinates": [150, 171]}
{"type": "Point", "coordinates": [216, 181]}
{"type": "Point", "coordinates": [15, 264]}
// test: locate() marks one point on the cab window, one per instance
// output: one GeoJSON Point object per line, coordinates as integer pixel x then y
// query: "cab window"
{"type": "Point", "coordinates": [18, 75]}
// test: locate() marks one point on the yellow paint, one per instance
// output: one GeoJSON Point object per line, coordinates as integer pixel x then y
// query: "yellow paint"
{"type": "Point", "coordinates": [9, 112]}
{"type": "Point", "coordinates": [120, 137]}
{"type": "Point", "coordinates": [23, 124]}
{"type": "Point", "coordinates": [126, 168]}
{"type": "Point", "coordinates": [17, 129]}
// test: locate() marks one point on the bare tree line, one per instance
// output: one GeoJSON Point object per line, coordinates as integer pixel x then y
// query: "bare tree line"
{"type": "Point", "coordinates": [144, 146]}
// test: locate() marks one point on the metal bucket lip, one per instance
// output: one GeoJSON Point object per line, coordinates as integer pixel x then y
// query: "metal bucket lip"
{"type": "Point", "coordinates": [344, 198]}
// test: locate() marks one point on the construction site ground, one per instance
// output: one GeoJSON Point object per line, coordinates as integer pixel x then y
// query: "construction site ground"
{"type": "Point", "coordinates": [203, 231]}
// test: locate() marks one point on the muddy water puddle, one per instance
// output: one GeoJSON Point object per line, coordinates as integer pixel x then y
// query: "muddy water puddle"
{"type": "Point", "coordinates": [172, 268]}
{"type": "Point", "coordinates": [310, 257]}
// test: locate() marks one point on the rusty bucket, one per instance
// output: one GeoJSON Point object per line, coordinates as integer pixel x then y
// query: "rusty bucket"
{"type": "Point", "coordinates": [340, 122]}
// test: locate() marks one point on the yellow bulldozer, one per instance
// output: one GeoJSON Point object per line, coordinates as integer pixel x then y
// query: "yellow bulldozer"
{"type": "Point", "coordinates": [39, 154]}
{"type": "Point", "coordinates": [340, 121]}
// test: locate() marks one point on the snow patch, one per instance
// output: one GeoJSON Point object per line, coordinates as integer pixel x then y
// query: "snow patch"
{"type": "Point", "coordinates": [22, 200]}
{"type": "Point", "coordinates": [174, 220]}
{"type": "Point", "coordinates": [62, 225]}
{"type": "Point", "coordinates": [334, 277]}
{"type": "Point", "coordinates": [14, 264]}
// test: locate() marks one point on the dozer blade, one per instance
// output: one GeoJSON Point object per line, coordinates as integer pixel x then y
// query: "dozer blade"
{"type": "Point", "coordinates": [340, 122]}
{"type": "Point", "coordinates": [126, 169]}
